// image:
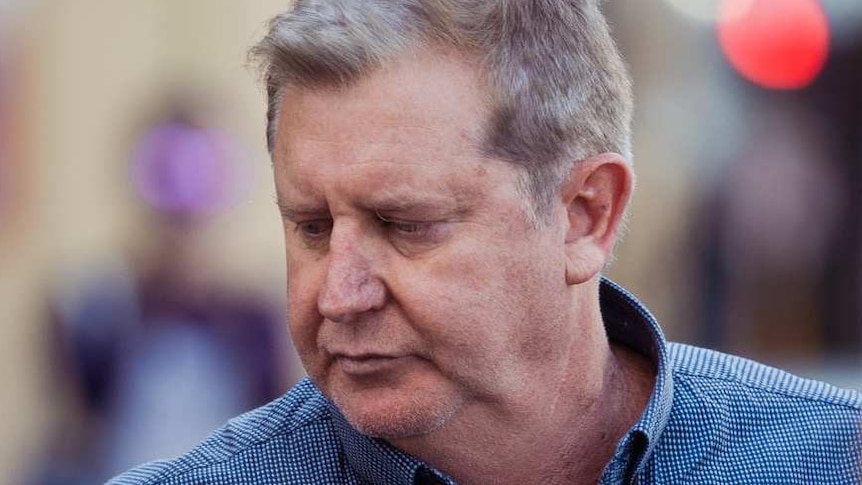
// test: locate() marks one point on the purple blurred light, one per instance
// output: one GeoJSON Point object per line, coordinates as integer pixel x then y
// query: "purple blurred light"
{"type": "Point", "coordinates": [183, 169]}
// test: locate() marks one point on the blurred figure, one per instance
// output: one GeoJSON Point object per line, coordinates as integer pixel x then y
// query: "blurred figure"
{"type": "Point", "coordinates": [773, 222]}
{"type": "Point", "coordinates": [157, 355]}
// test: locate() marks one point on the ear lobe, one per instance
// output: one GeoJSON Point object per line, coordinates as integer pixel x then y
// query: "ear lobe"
{"type": "Point", "coordinates": [596, 195]}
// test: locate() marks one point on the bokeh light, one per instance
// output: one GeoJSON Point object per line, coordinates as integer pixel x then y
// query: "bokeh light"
{"type": "Point", "coordinates": [183, 169]}
{"type": "Point", "coordinates": [776, 44]}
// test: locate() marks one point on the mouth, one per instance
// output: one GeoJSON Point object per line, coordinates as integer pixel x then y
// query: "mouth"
{"type": "Point", "coordinates": [366, 364]}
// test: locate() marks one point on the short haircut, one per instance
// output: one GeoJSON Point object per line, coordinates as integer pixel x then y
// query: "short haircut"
{"type": "Point", "coordinates": [559, 90]}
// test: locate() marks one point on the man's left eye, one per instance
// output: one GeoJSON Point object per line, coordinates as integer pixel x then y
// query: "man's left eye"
{"type": "Point", "coordinates": [407, 227]}
{"type": "Point", "coordinates": [411, 229]}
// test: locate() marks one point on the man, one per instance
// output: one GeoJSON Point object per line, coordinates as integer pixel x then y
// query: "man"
{"type": "Point", "coordinates": [452, 175]}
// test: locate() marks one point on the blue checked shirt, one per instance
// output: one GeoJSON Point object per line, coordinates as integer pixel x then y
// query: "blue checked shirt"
{"type": "Point", "coordinates": [712, 419]}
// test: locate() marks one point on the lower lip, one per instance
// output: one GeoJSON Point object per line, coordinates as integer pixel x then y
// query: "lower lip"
{"type": "Point", "coordinates": [367, 366]}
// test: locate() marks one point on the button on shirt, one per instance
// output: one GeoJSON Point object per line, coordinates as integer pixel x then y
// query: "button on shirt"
{"type": "Point", "coordinates": [712, 419]}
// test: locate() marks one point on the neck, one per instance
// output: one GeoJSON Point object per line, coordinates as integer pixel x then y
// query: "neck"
{"type": "Point", "coordinates": [566, 432]}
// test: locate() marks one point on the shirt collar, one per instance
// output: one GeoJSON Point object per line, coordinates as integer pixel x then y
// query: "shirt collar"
{"type": "Point", "coordinates": [628, 322]}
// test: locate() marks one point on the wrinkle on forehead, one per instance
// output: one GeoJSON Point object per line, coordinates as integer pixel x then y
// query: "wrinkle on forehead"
{"type": "Point", "coordinates": [404, 163]}
{"type": "Point", "coordinates": [386, 186]}
{"type": "Point", "coordinates": [392, 142]}
{"type": "Point", "coordinates": [404, 95]}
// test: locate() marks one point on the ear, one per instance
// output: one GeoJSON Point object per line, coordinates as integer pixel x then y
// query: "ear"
{"type": "Point", "coordinates": [596, 195]}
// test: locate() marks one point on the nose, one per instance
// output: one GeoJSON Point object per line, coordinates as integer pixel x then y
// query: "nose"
{"type": "Point", "coordinates": [350, 287]}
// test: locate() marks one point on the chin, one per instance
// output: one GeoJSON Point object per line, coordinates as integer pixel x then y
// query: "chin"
{"type": "Point", "coordinates": [403, 415]}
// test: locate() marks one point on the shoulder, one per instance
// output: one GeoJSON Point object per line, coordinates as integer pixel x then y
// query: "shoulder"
{"type": "Point", "coordinates": [709, 371]}
{"type": "Point", "coordinates": [283, 440]}
{"type": "Point", "coordinates": [733, 419]}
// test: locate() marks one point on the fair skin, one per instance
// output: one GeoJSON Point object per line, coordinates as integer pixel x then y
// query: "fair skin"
{"type": "Point", "coordinates": [424, 302]}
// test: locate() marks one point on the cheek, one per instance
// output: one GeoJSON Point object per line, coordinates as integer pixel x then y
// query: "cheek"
{"type": "Point", "coordinates": [479, 304]}
{"type": "Point", "coordinates": [457, 307]}
{"type": "Point", "coordinates": [303, 317]}
{"type": "Point", "coordinates": [537, 288]}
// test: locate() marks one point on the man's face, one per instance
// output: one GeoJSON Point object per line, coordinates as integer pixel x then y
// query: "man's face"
{"type": "Point", "coordinates": [418, 291]}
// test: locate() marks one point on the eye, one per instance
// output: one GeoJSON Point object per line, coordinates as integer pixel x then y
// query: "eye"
{"type": "Point", "coordinates": [314, 231]}
{"type": "Point", "coordinates": [407, 229]}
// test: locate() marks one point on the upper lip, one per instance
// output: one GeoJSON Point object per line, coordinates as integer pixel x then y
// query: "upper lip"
{"type": "Point", "coordinates": [363, 355]}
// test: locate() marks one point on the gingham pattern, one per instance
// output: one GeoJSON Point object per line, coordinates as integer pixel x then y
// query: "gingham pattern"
{"type": "Point", "coordinates": [712, 419]}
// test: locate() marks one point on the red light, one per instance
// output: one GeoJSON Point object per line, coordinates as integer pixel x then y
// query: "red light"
{"type": "Point", "coordinates": [777, 44]}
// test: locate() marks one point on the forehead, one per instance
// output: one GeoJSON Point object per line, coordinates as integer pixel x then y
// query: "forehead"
{"type": "Point", "coordinates": [423, 115]}
{"type": "Point", "coordinates": [426, 92]}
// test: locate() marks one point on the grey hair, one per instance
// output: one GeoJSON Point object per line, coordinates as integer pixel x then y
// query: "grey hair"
{"type": "Point", "coordinates": [558, 88]}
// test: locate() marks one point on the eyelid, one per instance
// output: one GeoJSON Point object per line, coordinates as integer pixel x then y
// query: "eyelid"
{"type": "Point", "coordinates": [403, 222]}
{"type": "Point", "coordinates": [419, 219]}
{"type": "Point", "coordinates": [313, 239]}
{"type": "Point", "coordinates": [420, 232]}
{"type": "Point", "coordinates": [319, 220]}
{"type": "Point", "coordinates": [383, 218]}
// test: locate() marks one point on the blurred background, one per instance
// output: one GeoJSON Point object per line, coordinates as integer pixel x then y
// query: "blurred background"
{"type": "Point", "coordinates": [141, 263]}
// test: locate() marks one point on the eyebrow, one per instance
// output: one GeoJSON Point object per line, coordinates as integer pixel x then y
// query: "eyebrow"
{"type": "Point", "coordinates": [400, 205]}
{"type": "Point", "coordinates": [383, 205]}
{"type": "Point", "coordinates": [441, 199]}
{"type": "Point", "coordinates": [293, 211]}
